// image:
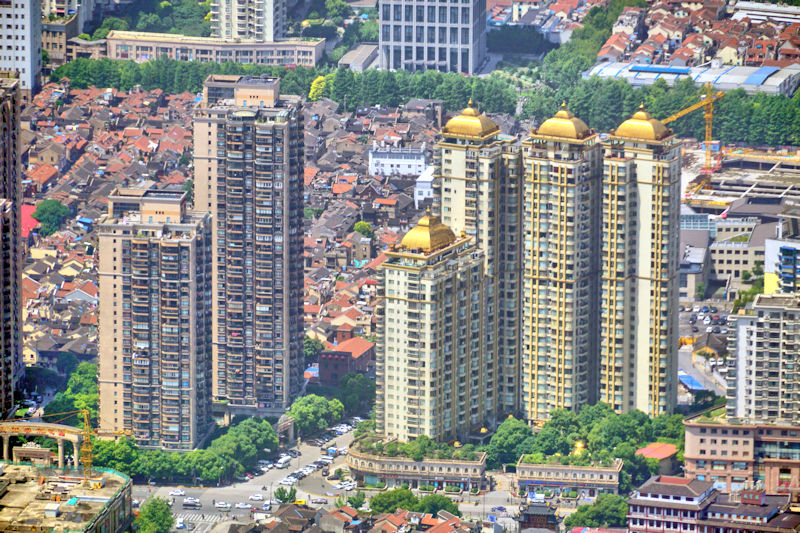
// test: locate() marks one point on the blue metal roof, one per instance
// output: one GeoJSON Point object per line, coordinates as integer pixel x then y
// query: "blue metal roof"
{"type": "Point", "coordinates": [690, 382]}
{"type": "Point", "coordinates": [760, 76]}
{"type": "Point", "coordinates": [660, 69]}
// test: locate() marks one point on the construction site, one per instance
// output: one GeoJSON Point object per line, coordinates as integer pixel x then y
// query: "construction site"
{"type": "Point", "coordinates": [38, 498]}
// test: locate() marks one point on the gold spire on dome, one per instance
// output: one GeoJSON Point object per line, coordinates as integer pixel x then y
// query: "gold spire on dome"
{"type": "Point", "coordinates": [428, 235]}
{"type": "Point", "coordinates": [470, 124]}
{"type": "Point", "coordinates": [564, 124]}
{"type": "Point", "coordinates": [642, 125]}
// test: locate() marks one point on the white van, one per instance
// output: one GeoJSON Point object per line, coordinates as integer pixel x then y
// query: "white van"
{"type": "Point", "coordinates": [283, 462]}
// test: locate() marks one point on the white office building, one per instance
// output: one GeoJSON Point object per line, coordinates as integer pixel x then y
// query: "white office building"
{"type": "Point", "coordinates": [396, 161]}
{"type": "Point", "coordinates": [21, 35]}
{"type": "Point", "coordinates": [436, 35]}
{"type": "Point", "coordinates": [260, 20]}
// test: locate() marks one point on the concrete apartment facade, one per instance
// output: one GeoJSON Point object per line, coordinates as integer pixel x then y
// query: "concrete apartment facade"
{"type": "Point", "coordinates": [155, 318]}
{"type": "Point", "coordinates": [144, 46]}
{"type": "Point", "coordinates": [563, 169]}
{"type": "Point", "coordinates": [248, 159]}
{"type": "Point", "coordinates": [81, 10]}
{"type": "Point", "coordinates": [259, 20]}
{"type": "Point", "coordinates": [478, 191]}
{"type": "Point", "coordinates": [11, 364]}
{"type": "Point", "coordinates": [639, 264]}
{"type": "Point", "coordinates": [435, 374]}
{"type": "Point", "coordinates": [762, 370]}
{"type": "Point", "coordinates": [435, 35]}
{"type": "Point", "coordinates": [55, 38]}
{"type": "Point", "coordinates": [22, 52]}
{"type": "Point", "coordinates": [734, 455]}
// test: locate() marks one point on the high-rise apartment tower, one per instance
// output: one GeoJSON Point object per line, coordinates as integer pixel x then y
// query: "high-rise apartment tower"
{"type": "Point", "coordinates": [155, 318]}
{"type": "Point", "coordinates": [435, 369]}
{"type": "Point", "coordinates": [563, 168]}
{"type": "Point", "coordinates": [639, 266]}
{"type": "Point", "coordinates": [21, 33]}
{"type": "Point", "coordinates": [478, 191]}
{"type": "Point", "coordinates": [11, 366]}
{"type": "Point", "coordinates": [248, 160]}
{"type": "Point", "coordinates": [762, 370]}
{"type": "Point", "coordinates": [260, 20]}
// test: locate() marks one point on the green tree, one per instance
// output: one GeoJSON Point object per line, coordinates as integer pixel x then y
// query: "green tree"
{"type": "Point", "coordinates": [337, 8]}
{"type": "Point", "coordinates": [155, 516]}
{"type": "Point", "coordinates": [609, 510]}
{"type": "Point", "coordinates": [284, 496]}
{"type": "Point", "coordinates": [504, 444]}
{"type": "Point", "coordinates": [356, 392]}
{"type": "Point", "coordinates": [109, 23]}
{"type": "Point", "coordinates": [311, 349]}
{"type": "Point", "coordinates": [313, 413]}
{"type": "Point", "coordinates": [390, 501]}
{"type": "Point", "coordinates": [50, 214]}
{"type": "Point", "coordinates": [317, 87]}
{"type": "Point", "coordinates": [357, 500]}
{"type": "Point", "coordinates": [364, 228]}
{"type": "Point", "coordinates": [433, 503]}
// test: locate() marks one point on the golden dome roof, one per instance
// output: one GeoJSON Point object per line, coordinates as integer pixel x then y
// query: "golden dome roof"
{"type": "Point", "coordinates": [564, 124]}
{"type": "Point", "coordinates": [642, 126]}
{"type": "Point", "coordinates": [470, 123]}
{"type": "Point", "coordinates": [428, 235]}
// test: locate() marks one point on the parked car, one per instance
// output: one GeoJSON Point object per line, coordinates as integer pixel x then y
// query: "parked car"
{"type": "Point", "coordinates": [321, 501]}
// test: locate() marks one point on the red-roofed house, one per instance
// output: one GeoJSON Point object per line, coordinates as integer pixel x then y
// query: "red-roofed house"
{"type": "Point", "coordinates": [354, 355]}
{"type": "Point", "coordinates": [28, 222]}
{"type": "Point", "coordinates": [663, 452]}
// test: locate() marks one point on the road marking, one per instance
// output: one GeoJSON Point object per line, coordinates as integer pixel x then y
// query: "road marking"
{"type": "Point", "coordinates": [200, 517]}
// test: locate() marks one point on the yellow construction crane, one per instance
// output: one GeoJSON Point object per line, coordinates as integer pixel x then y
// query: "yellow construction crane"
{"type": "Point", "coordinates": [86, 451]}
{"type": "Point", "coordinates": [707, 103]}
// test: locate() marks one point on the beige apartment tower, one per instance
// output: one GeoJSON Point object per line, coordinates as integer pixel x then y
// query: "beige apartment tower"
{"type": "Point", "coordinates": [258, 20]}
{"type": "Point", "coordinates": [11, 366]}
{"type": "Point", "coordinates": [155, 318]}
{"type": "Point", "coordinates": [563, 170]}
{"type": "Point", "coordinates": [248, 160]}
{"type": "Point", "coordinates": [639, 266]}
{"type": "Point", "coordinates": [478, 191]}
{"type": "Point", "coordinates": [433, 358]}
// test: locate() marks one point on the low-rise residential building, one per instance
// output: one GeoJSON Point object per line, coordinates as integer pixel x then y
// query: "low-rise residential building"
{"type": "Point", "coordinates": [734, 455]}
{"type": "Point", "coordinates": [56, 35]}
{"type": "Point", "coordinates": [663, 452]}
{"type": "Point", "coordinates": [144, 46]}
{"type": "Point", "coordinates": [587, 481]}
{"type": "Point", "coordinates": [360, 58]}
{"type": "Point", "coordinates": [368, 467]}
{"type": "Point", "coordinates": [354, 355]}
{"type": "Point", "coordinates": [397, 161]}
{"type": "Point", "coordinates": [666, 503]}
{"type": "Point", "coordinates": [695, 263]}
{"type": "Point", "coordinates": [423, 188]}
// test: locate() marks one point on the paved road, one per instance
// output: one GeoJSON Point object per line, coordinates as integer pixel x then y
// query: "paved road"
{"type": "Point", "coordinates": [205, 518]}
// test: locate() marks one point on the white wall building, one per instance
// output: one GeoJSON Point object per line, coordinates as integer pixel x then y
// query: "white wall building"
{"type": "Point", "coordinates": [390, 161]}
{"type": "Point", "coordinates": [261, 20]}
{"type": "Point", "coordinates": [21, 35]}
{"type": "Point", "coordinates": [423, 188]}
